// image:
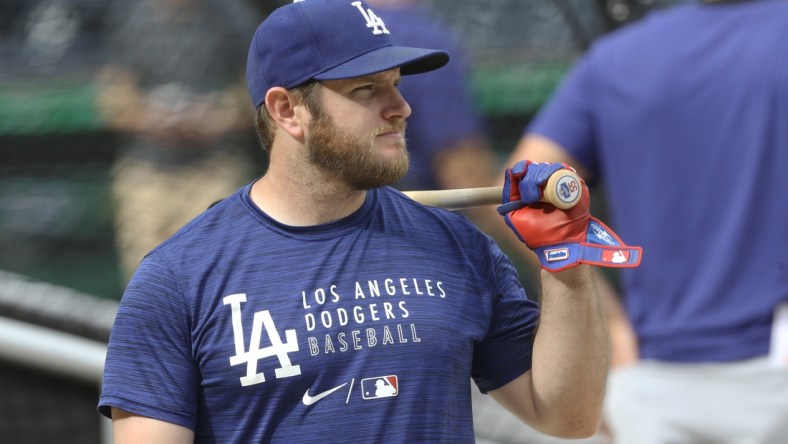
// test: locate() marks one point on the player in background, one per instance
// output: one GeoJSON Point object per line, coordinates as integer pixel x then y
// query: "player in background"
{"type": "Point", "coordinates": [271, 316]}
{"type": "Point", "coordinates": [682, 117]}
{"type": "Point", "coordinates": [173, 90]}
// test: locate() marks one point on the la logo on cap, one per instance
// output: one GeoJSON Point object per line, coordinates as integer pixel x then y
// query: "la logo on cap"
{"type": "Point", "coordinates": [373, 21]}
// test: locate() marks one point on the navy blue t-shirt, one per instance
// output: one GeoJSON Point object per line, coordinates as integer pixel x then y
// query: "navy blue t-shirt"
{"type": "Point", "coordinates": [367, 329]}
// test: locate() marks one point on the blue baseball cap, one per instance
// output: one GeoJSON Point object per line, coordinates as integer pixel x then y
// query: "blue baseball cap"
{"type": "Point", "coordinates": [327, 40]}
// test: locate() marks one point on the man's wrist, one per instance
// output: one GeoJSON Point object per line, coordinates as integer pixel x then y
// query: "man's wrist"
{"type": "Point", "coordinates": [559, 257]}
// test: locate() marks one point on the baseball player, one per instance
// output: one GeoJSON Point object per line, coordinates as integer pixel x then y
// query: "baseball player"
{"type": "Point", "coordinates": [317, 304]}
{"type": "Point", "coordinates": [177, 104]}
{"type": "Point", "coordinates": [683, 116]}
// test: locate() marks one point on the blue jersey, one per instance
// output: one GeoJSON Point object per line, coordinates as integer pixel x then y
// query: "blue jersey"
{"type": "Point", "coordinates": [684, 117]}
{"type": "Point", "coordinates": [367, 329]}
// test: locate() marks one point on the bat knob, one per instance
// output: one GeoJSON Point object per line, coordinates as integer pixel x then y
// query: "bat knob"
{"type": "Point", "coordinates": [563, 189]}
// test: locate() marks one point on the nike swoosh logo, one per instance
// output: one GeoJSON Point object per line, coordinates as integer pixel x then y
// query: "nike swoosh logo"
{"type": "Point", "coordinates": [309, 400]}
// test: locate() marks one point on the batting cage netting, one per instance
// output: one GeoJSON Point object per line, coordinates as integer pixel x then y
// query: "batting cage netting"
{"type": "Point", "coordinates": [120, 121]}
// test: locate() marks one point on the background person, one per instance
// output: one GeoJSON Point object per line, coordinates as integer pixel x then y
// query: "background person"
{"type": "Point", "coordinates": [174, 92]}
{"type": "Point", "coordinates": [682, 117]}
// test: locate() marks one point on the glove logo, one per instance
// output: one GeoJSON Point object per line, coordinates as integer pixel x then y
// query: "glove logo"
{"type": "Point", "coordinates": [567, 189]}
{"type": "Point", "coordinates": [556, 254]}
{"type": "Point", "coordinates": [615, 256]}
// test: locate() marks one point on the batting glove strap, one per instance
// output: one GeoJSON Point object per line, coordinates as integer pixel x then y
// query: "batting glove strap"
{"type": "Point", "coordinates": [602, 247]}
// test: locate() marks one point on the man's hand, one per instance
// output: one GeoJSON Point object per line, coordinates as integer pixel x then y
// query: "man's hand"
{"type": "Point", "coordinates": [560, 238]}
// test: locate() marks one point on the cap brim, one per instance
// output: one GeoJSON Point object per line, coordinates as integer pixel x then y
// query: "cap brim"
{"type": "Point", "coordinates": [409, 60]}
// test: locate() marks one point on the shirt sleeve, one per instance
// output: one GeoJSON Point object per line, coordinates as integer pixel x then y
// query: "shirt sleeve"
{"type": "Point", "coordinates": [568, 117]}
{"type": "Point", "coordinates": [149, 368]}
{"type": "Point", "coordinates": [505, 352]}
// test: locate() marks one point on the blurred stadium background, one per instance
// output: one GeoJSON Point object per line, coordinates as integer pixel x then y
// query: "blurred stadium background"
{"type": "Point", "coordinates": [59, 274]}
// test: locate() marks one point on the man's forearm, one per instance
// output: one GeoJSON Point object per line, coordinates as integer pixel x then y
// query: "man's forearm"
{"type": "Point", "coordinates": [572, 349]}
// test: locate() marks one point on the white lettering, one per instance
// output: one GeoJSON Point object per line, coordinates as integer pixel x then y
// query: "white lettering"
{"type": "Point", "coordinates": [373, 312]}
{"type": "Point", "coordinates": [313, 349]}
{"type": "Point", "coordinates": [389, 310]}
{"type": "Point", "coordinates": [387, 336]}
{"type": "Point", "coordinates": [342, 315]}
{"type": "Point", "coordinates": [428, 284]}
{"type": "Point", "coordinates": [404, 286]}
{"type": "Point", "coordinates": [356, 339]}
{"type": "Point", "coordinates": [405, 312]}
{"type": "Point", "coordinates": [310, 321]}
{"type": "Point", "coordinates": [358, 314]}
{"type": "Point", "coordinates": [329, 345]}
{"type": "Point", "coordinates": [440, 287]}
{"type": "Point", "coordinates": [320, 296]}
{"type": "Point", "coordinates": [371, 339]}
{"type": "Point", "coordinates": [416, 287]}
{"type": "Point", "coordinates": [374, 288]}
{"type": "Point", "coordinates": [325, 319]}
{"type": "Point", "coordinates": [402, 339]}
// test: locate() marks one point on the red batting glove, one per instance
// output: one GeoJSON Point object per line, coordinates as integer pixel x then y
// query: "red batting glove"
{"type": "Point", "coordinates": [561, 238]}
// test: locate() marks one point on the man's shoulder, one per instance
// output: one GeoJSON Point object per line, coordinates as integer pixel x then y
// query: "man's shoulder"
{"type": "Point", "coordinates": [222, 220]}
{"type": "Point", "coordinates": [392, 197]}
{"type": "Point", "coordinates": [419, 218]}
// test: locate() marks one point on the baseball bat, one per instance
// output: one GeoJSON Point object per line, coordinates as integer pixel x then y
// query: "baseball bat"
{"type": "Point", "coordinates": [562, 190]}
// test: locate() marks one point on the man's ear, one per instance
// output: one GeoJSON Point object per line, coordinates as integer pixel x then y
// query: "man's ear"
{"type": "Point", "coordinates": [282, 108]}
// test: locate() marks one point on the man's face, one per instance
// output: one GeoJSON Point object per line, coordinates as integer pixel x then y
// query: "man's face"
{"type": "Point", "coordinates": [358, 131]}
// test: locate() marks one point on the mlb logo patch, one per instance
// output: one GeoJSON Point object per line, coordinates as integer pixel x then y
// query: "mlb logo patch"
{"type": "Point", "coordinates": [380, 387]}
{"type": "Point", "coordinates": [615, 256]}
{"type": "Point", "coordinates": [556, 254]}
